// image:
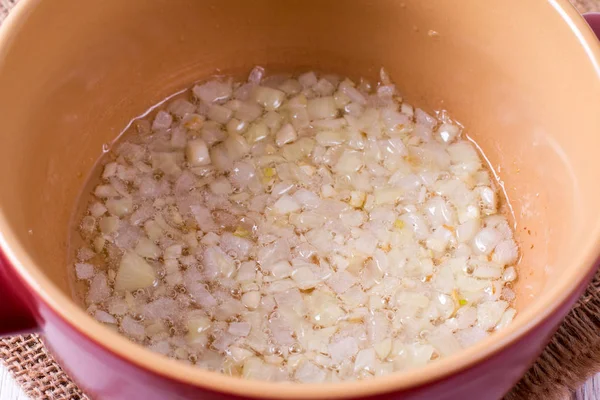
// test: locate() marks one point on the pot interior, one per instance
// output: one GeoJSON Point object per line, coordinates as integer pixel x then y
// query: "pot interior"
{"type": "Point", "coordinates": [511, 72]}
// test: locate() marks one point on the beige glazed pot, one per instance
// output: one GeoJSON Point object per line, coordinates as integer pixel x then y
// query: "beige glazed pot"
{"type": "Point", "coordinates": [522, 76]}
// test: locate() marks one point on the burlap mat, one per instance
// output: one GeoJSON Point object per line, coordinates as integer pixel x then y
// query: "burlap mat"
{"type": "Point", "coordinates": [569, 360]}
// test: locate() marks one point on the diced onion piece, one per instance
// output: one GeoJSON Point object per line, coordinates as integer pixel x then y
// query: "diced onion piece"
{"type": "Point", "coordinates": [506, 318]}
{"type": "Point", "coordinates": [193, 122]}
{"type": "Point", "coordinates": [271, 99]}
{"type": "Point", "coordinates": [97, 209]}
{"type": "Point", "coordinates": [509, 274]}
{"type": "Point", "coordinates": [281, 269]}
{"type": "Point", "coordinates": [486, 240]}
{"type": "Point", "coordinates": [248, 112]}
{"type": "Point", "coordinates": [467, 231]}
{"type": "Point", "coordinates": [325, 310]}
{"type": "Point", "coordinates": [307, 199]}
{"type": "Point", "coordinates": [109, 224]}
{"type": "Point", "coordinates": [219, 156]}
{"type": "Point", "coordinates": [365, 360]}
{"type": "Point", "coordinates": [357, 198]}
{"type": "Point", "coordinates": [322, 108]}
{"type": "Point", "coordinates": [251, 300]}
{"type": "Point", "coordinates": [219, 113]}
{"type": "Point", "coordinates": [308, 79]}
{"type": "Point", "coordinates": [84, 271]}
{"type": "Point", "coordinates": [213, 91]}
{"type": "Point", "coordinates": [343, 349]}
{"type": "Point", "coordinates": [388, 195]}
{"type": "Point", "coordinates": [305, 278]}
{"type": "Point", "coordinates": [489, 313]}
{"type": "Point", "coordinates": [134, 273]}
{"type": "Point", "coordinates": [216, 258]}
{"type": "Point", "coordinates": [286, 204]}
{"type": "Point", "coordinates": [239, 328]}
{"type": "Point", "coordinates": [506, 252]}
{"type": "Point", "coordinates": [256, 75]}
{"type": "Point", "coordinates": [383, 348]}
{"type": "Point", "coordinates": [120, 207]}
{"type": "Point", "coordinates": [257, 132]}
{"type": "Point", "coordinates": [181, 107]}
{"type": "Point", "coordinates": [425, 119]}
{"type": "Point", "coordinates": [407, 109]}
{"type": "Point", "coordinates": [105, 191]}
{"type": "Point", "coordinates": [448, 132]}
{"type": "Point", "coordinates": [352, 93]}
{"type": "Point", "coordinates": [110, 170]}
{"type": "Point", "coordinates": [285, 135]}
{"type": "Point", "coordinates": [197, 326]}
{"type": "Point", "coordinates": [236, 146]}
{"type": "Point", "coordinates": [349, 162]}
{"type": "Point", "coordinates": [147, 248]}
{"type": "Point", "coordinates": [221, 186]}
{"type": "Point", "coordinates": [162, 121]}
{"type": "Point", "coordinates": [291, 87]}
{"type": "Point", "coordinates": [330, 138]}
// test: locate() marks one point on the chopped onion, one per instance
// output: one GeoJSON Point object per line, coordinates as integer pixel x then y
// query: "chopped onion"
{"type": "Point", "coordinates": [134, 273]}
{"type": "Point", "coordinates": [365, 359]}
{"type": "Point", "coordinates": [120, 207]}
{"type": "Point", "coordinates": [352, 93]}
{"type": "Point", "coordinates": [308, 79]}
{"type": "Point", "coordinates": [213, 91]}
{"type": "Point", "coordinates": [239, 328]}
{"type": "Point", "coordinates": [251, 300]}
{"type": "Point", "coordinates": [84, 271]}
{"type": "Point", "coordinates": [343, 349]}
{"type": "Point", "coordinates": [322, 108]}
{"type": "Point", "coordinates": [109, 225]}
{"type": "Point", "coordinates": [162, 121]}
{"type": "Point", "coordinates": [486, 240]}
{"type": "Point", "coordinates": [219, 113]}
{"type": "Point", "coordinates": [256, 75]}
{"type": "Point", "coordinates": [489, 313]}
{"type": "Point", "coordinates": [147, 248]}
{"type": "Point", "coordinates": [285, 135]}
{"type": "Point", "coordinates": [301, 228]}
{"type": "Point", "coordinates": [505, 253]}
{"type": "Point", "coordinates": [286, 204]}
{"type": "Point", "coordinates": [270, 99]}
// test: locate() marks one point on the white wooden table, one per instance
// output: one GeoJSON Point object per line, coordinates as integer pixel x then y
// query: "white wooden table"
{"type": "Point", "coordinates": [589, 391]}
{"type": "Point", "coordinates": [8, 388]}
{"type": "Point", "coordinates": [10, 391]}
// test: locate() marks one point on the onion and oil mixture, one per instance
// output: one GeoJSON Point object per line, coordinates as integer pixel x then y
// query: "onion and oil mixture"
{"type": "Point", "coordinates": [305, 229]}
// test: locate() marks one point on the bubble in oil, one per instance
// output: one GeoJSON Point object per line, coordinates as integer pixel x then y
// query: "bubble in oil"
{"type": "Point", "coordinates": [138, 317]}
{"type": "Point", "coordinates": [295, 348]}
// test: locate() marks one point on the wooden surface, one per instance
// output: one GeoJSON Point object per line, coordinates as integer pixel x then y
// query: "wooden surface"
{"type": "Point", "coordinates": [589, 391]}
{"type": "Point", "coordinates": [8, 388]}
{"type": "Point", "coordinates": [10, 391]}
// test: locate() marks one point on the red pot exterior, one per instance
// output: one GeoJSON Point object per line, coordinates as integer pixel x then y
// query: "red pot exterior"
{"type": "Point", "coordinates": [17, 305]}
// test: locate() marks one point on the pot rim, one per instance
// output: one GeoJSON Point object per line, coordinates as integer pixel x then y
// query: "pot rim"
{"type": "Point", "coordinates": [582, 265]}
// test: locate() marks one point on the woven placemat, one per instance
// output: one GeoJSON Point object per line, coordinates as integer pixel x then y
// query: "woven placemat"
{"type": "Point", "coordinates": [568, 361]}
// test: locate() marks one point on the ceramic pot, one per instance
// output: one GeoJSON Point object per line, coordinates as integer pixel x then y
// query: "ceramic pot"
{"type": "Point", "coordinates": [522, 76]}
